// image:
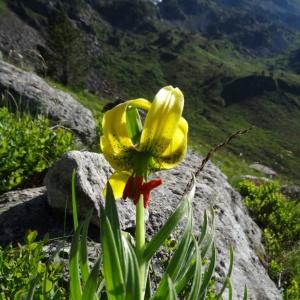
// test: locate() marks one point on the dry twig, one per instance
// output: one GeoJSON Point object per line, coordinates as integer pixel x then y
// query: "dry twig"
{"type": "Point", "coordinates": [211, 152]}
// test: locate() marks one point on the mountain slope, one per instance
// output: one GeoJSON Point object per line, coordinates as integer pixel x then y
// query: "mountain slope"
{"type": "Point", "coordinates": [134, 48]}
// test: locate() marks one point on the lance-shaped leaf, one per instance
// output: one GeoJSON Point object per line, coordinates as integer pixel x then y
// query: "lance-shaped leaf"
{"type": "Point", "coordinates": [113, 273]}
{"type": "Point", "coordinates": [75, 282]}
{"type": "Point", "coordinates": [169, 226]}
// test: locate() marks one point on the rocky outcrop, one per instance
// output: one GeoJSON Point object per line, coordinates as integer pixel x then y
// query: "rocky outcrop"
{"type": "Point", "coordinates": [28, 209]}
{"type": "Point", "coordinates": [246, 87]}
{"type": "Point", "coordinates": [250, 86]}
{"type": "Point", "coordinates": [27, 91]}
{"type": "Point", "coordinates": [20, 43]}
{"type": "Point", "coordinates": [233, 224]}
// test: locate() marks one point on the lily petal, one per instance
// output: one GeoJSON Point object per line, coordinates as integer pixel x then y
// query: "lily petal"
{"type": "Point", "coordinates": [176, 150]}
{"type": "Point", "coordinates": [118, 181]}
{"type": "Point", "coordinates": [115, 143]}
{"type": "Point", "coordinates": [140, 103]}
{"type": "Point", "coordinates": [162, 121]}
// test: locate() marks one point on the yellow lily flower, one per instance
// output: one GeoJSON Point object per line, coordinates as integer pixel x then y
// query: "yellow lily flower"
{"type": "Point", "coordinates": [162, 143]}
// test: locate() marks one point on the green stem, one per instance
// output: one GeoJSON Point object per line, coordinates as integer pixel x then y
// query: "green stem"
{"type": "Point", "coordinates": [140, 241]}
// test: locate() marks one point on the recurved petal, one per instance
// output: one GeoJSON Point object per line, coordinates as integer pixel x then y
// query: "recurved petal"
{"type": "Point", "coordinates": [162, 120]}
{"type": "Point", "coordinates": [114, 126]}
{"type": "Point", "coordinates": [118, 156]}
{"type": "Point", "coordinates": [118, 181]}
{"type": "Point", "coordinates": [176, 150]}
{"type": "Point", "coordinates": [115, 142]}
{"type": "Point", "coordinates": [140, 103]}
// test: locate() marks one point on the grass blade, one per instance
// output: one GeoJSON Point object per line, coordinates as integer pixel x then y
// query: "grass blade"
{"type": "Point", "coordinates": [208, 274]}
{"type": "Point", "coordinates": [75, 283]}
{"type": "Point", "coordinates": [245, 297]}
{"type": "Point", "coordinates": [112, 215]}
{"type": "Point", "coordinates": [228, 273]}
{"type": "Point", "coordinates": [204, 228]}
{"type": "Point", "coordinates": [148, 291]}
{"type": "Point", "coordinates": [74, 206]}
{"type": "Point", "coordinates": [133, 290]}
{"type": "Point", "coordinates": [176, 263]}
{"type": "Point", "coordinates": [182, 282]}
{"type": "Point", "coordinates": [196, 285]}
{"type": "Point", "coordinates": [188, 260]}
{"type": "Point", "coordinates": [83, 257]}
{"type": "Point", "coordinates": [229, 285]}
{"type": "Point", "coordinates": [113, 275]}
{"type": "Point", "coordinates": [171, 290]}
{"type": "Point", "coordinates": [92, 283]}
{"type": "Point", "coordinates": [169, 226]}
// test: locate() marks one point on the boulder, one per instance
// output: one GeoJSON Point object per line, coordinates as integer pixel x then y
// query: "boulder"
{"type": "Point", "coordinates": [27, 91]}
{"type": "Point", "coordinates": [255, 179]}
{"type": "Point", "coordinates": [263, 169]}
{"type": "Point", "coordinates": [233, 223]}
{"type": "Point", "coordinates": [92, 173]}
{"type": "Point", "coordinates": [20, 42]}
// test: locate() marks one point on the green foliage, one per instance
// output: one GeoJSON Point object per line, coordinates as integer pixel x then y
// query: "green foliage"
{"type": "Point", "coordinates": [279, 219]}
{"type": "Point", "coordinates": [67, 61]}
{"type": "Point", "coordinates": [27, 265]}
{"type": "Point", "coordinates": [140, 54]}
{"type": "Point", "coordinates": [137, 64]}
{"type": "Point", "coordinates": [28, 147]}
{"type": "Point", "coordinates": [2, 6]}
{"type": "Point", "coordinates": [189, 271]}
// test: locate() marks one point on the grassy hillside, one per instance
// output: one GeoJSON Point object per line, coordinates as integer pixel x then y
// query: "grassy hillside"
{"type": "Point", "coordinates": [225, 88]}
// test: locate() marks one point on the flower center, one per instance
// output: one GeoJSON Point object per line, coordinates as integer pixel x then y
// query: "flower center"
{"type": "Point", "coordinates": [135, 187]}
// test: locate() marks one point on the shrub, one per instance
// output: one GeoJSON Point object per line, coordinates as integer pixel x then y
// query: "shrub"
{"type": "Point", "coordinates": [279, 219]}
{"type": "Point", "coordinates": [28, 146]}
{"type": "Point", "coordinates": [67, 61]}
{"type": "Point", "coordinates": [24, 266]}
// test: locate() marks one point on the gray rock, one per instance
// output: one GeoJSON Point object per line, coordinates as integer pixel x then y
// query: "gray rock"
{"type": "Point", "coordinates": [92, 173]}
{"type": "Point", "coordinates": [233, 224]}
{"type": "Point", "coordinates": [255, 179]}
{"type": "Point", "coordinates": [291, 191]}
{"type": "Point", "coordinates": [264, 169]}
{"type": "Point", "coordinates": [28, 209]}
{"type": "Point", "coordinates": [29, 92]}
{"type": "Point", "coordinates": [20, 42]}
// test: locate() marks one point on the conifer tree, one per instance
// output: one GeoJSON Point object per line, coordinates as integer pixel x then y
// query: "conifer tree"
{"type": "Point", "coordinates": [67, 60]}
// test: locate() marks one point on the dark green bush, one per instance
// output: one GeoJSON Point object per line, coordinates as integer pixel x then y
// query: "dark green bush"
{"type": "Point", "coordinates": [279, 219]}
{"type": "Point", "coordinates": [28, 147]}
{"type": "Point", "coordinates": [24, 266]}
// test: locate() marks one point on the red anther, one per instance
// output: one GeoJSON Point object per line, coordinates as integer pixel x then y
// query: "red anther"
{"type": "Point", "coordinates": [128, 188]}
{"type": "Point", "coordinates": [148, 187]}
{"type": "Point", "coordinates": [134, 188]}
